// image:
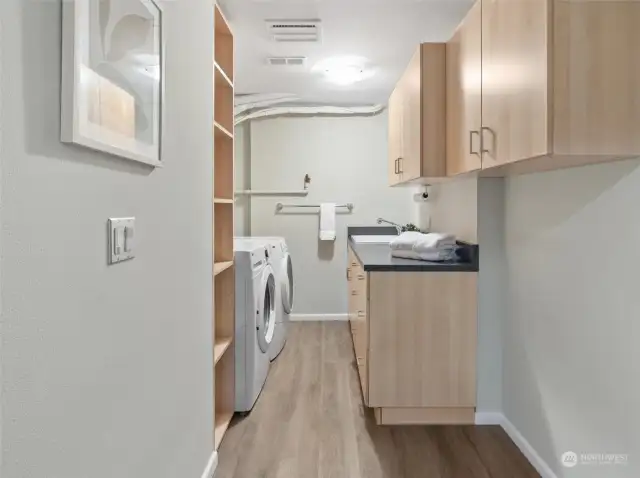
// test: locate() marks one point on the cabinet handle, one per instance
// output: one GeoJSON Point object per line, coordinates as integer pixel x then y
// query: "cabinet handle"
{"type": "Point", "coordinates": [395, 166]}
{"type": "Point", "coordinates": [493, 135]}
{"type": "Point", "coordinates": [348, 274]}
{"type": "Point", "coordinates": [354, 292]}
{"type": "Point", "coordinates": [361, 314]}
{"type": "Point", "coordinates": [361, 276]}
{"type": "Point", "coordinates": [471, 133]}
{"type": "Point", "coordinates": [400, 171]}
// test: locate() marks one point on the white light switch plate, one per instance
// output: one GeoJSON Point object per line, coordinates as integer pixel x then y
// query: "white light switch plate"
{"type": "Point", "coordinates": [121, 241]}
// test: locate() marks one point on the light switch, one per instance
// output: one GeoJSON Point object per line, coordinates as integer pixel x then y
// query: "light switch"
{"type": "Point", "coordinates": [120, 234]}
{"type": "Point", "coordinates": [128, 238]}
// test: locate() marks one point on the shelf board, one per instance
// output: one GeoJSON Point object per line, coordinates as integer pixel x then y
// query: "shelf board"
{"type": "Point", "coordinates": [222, 76]}
{"type": "Point", "coordinates": [221, 23]}
{"type": "Point", "coordinates": [222, 201]}
{"type": "Point", "coordinates": [220, 347]}
{"type": "Point", "coordinates": [223, 419]}
{"type": "Point", "coordinates": [219, 267]}
{"type": "Point", "coordinates": [221, 130]}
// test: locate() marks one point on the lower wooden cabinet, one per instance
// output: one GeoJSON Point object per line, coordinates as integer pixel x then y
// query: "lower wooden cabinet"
{"type": "Point", "coordinates": [414, 339]}
{"type": "Point", "coordinates": [358, 307]}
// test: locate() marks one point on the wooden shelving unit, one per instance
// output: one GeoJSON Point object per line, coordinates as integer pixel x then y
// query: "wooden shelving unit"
{"type": "Point", "coordinates": [220, 347]}
{"type": "Point", "coordinates": [219, 267]}
{"type": "Point", "coordinates": [223, 204]}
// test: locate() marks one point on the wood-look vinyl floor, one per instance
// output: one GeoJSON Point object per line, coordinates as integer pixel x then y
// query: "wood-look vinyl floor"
{"type": "Point", "coordinates": [309, 422]}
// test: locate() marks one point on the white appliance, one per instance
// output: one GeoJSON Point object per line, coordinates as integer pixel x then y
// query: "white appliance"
{"type": "Point", "coordinates": [255, 320]}
{"type": "Point", "coordinates": [283, 271]}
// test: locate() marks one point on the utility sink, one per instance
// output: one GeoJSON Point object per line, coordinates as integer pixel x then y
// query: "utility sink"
{"type": "Point", "coordinates": [373, 239]}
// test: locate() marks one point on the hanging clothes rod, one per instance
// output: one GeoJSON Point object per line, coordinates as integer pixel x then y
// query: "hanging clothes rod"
{"type": "Point", "coordinates": [280, 206]}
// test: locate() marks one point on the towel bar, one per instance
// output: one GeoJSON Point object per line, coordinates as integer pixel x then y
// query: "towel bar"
{"type": "Point", "coordinates": [280, 206]}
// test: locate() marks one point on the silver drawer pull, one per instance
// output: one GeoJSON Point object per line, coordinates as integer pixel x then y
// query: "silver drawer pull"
{"type": "Point", "coordinates": [354, 292]}
{"type": "Point", "coordinates": [361, 314]}
{"type": "Point", "coordinates": [361, 276]}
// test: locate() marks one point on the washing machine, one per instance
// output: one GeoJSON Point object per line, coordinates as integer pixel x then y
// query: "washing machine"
{"type": "Point", "coordinates": [255, 320]}
{"type": "Point", "coordinates": [283, 271]}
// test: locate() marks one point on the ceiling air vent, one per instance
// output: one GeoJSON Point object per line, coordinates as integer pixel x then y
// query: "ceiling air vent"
{"type": "Point", "coordinates": [287, 61]}
{"type": "Point", "coordinates": [284, 31]}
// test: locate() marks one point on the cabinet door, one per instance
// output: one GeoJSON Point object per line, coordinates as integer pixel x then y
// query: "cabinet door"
{"type": "Point", "coordinates": [596, 78]}
{"type": "Point", "coordinates": [422, 339]}
{"type": "Point", "coordinates": [410, 164]}
{"type": "Point", "coordinates": [395, 134]}
{"type": "Point", "coordinates": [515, 80]}
{"type": "Point", "coordinates": [464, 95]}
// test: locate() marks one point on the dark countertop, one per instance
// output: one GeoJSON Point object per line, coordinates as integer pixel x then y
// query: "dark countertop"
{"type": "Point", "coordinates": [377, 257]}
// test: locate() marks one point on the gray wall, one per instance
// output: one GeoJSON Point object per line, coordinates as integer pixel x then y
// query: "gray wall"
{"type": "Point", "coordinates": [491, 293]}
{"type": "Point", "coordinates": [242, 160]}
{"type": "Point", "coordinates": [571, 337]}
{"type": "Point", "coordinates": [106, 371]}
{"type": "Point", "coordinates": [347, 161]}
{"type": "Point", "coordinates": [452, 207]}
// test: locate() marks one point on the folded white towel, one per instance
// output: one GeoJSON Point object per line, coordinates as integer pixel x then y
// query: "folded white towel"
{"type": "Point", "coordinates": [431, 241]}
{"type": "Point", "coordinates": [327, 222]}
{"type": "Point", "coordinates": [405, 241]}
{"type": "Point", "coordinates": [435, 255]}
{"type": "Point", "coordinates": [417, 241]}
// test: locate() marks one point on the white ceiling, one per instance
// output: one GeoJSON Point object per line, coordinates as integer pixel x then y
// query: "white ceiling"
{"type": "Point", "coordinates": [386, 32]}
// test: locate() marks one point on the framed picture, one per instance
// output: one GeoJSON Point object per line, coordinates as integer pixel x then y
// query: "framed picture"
{"type": "Point", "coordinates": [113, 77]}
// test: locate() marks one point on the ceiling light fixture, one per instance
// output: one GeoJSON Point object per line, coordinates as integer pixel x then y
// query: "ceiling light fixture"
{"type": "Point", "coordinates": [344, 70]}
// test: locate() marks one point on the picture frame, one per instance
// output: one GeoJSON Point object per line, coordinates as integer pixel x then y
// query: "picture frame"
{"type": "Point", "coordinates": [112, 97]}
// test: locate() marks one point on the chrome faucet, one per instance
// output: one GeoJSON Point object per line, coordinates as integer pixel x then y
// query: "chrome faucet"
{"type": "Point", "coordinates": [397, 226]}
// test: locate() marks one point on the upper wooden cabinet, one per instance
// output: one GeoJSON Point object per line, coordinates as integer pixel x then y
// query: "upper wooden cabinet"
{"type": "Point", "coordinates": [395, 134]}
{"type": "Point", "coordinates": [559, 83]}
{"type": "Point", "coordinates": [464, 95]}
{"type": "Point", "coordinates": [515, 80]}
{"type": "Point", "coordinates": [417, 117]}
{"type": "Point", "coordinates": [523, 86]}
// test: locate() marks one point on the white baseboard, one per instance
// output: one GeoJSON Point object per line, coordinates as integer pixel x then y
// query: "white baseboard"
{"type": "Point", "coordinates": [210, 470]}
{"type": "Point", "coordinates": [541, 466]}
{"type": "Point", "coordinates": [318, 317]}
{"type": "Point", "coordinates": [489, 418]}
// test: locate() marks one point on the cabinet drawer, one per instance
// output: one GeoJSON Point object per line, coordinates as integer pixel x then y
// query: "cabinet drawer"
{"type": "Point", "coordinates": [352, 259]}
{"type": "Point", "coordinates": [358, 285]}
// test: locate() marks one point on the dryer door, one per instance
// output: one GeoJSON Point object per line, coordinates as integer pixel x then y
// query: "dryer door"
{"type": "Point", "coordinates": [266, 309]}
{"type": "Point", "coordinates": [286, 283]}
